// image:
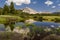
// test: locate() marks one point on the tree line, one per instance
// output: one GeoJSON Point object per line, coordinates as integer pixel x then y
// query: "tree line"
{"type": "Point", "coordinates": [8, 9]}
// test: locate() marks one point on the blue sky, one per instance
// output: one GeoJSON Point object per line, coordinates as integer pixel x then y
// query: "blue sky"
{"type": "Point", "coordinates": [38, 5]}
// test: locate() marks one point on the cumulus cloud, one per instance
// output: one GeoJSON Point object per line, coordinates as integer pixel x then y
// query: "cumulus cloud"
{"type": "Point", "coordinates": [48, 2]}
{"type": "Point", "coordinates": [18, 2]}
{"type": "Point", "coordinates": [53, 6]}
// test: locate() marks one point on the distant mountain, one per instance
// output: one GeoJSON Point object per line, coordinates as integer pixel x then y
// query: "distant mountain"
{"type": "Point", "coordinates": [56, 12]}
{"type": "Point", "coordinates": [45, 12]}
{"type": "Point", "coordinates": [29, 10]}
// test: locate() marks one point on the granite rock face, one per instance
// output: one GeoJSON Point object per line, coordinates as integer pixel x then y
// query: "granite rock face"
{"type": "Point", "coordinates": [29, 10]}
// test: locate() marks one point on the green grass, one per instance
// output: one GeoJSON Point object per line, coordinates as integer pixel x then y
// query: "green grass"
{"type": "Point", "coordinates": [50, 18]}
{"type": "Point", "coordinates": [5, 18]}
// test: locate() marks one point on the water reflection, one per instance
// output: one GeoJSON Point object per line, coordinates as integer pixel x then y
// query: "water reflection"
{"type": "Point", "coordinates": [46, 24]}
{"type": "Point", "coordinates": [2, 27]}
{"type": "Point", "coordinates": [37, 24]}
{"type": "Point", "coordinates": [42, 24]}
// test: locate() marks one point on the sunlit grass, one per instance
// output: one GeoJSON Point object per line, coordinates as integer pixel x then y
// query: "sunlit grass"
{"type": "Point", "coordinates": [5, 18]}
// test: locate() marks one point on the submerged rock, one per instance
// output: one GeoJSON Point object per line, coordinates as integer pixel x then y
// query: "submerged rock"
{"type": "Point", "coordinates": [23, 31]}
{"type": "Point", "coordinates": [8, 29]}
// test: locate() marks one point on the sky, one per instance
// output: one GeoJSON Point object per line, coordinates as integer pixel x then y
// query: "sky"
{"type": "Point", "coordinates": [38, 5]}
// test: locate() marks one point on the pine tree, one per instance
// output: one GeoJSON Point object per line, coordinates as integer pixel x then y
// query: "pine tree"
{"type": "Point", "coordinates": [5, 10]}
{"type": "Point", "coordinates": [0, 11]}
{"type": "Point", "coordinates": [12, 9]}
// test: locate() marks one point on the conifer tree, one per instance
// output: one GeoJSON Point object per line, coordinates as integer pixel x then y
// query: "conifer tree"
{"type": "Point", "coordinates": [5, 10]}
{"type": "Point", "coordinates": [12, 9]}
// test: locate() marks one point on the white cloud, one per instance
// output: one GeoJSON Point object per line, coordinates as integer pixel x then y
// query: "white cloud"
{"type": "Point", "coordinates": [18, 2]}
{"type": "Point", "coordinates": [34, 2]}
{"type": "Point", "coordinates": [48, 2]}
{"type": "Point", "coordinates": [53, 6]}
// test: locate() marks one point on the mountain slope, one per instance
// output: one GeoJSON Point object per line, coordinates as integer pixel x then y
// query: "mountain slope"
{"type": "Point", "coordinates": [29, 10]}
